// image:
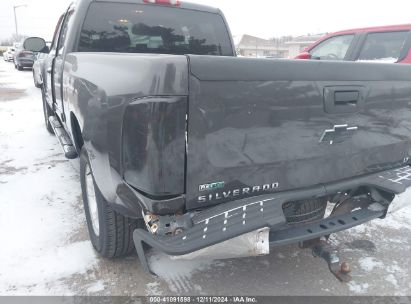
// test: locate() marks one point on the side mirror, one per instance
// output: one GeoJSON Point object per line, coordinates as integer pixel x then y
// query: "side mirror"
{"type": "Point", "coordinates": [304, 55]}
{"type": "Point", "coordinates": [35, 44]}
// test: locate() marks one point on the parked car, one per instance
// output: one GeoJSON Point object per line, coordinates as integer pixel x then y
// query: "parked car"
{"type": "Point", "coordinates": [183, 147]}
{"type": "Point", "coordinates": [16, 46]}
{"type": "Point", "coordinates": [391, 44]}
{"type": "Point", "coordinates": [23, 58]}
{"type": "Point", "coordinates": [37, 69]}
{"type": "Point", "coordinates": [8, 54]}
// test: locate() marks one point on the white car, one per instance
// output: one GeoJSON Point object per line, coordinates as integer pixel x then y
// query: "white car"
{"type": "Point", "coordinates": [8, 55]}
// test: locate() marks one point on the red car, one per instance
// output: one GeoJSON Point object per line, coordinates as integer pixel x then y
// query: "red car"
{"type": "Point", "coordinates": [389, 44]}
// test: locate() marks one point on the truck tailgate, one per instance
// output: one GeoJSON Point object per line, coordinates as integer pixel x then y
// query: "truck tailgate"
{"type": "Point", "coordinates": [257, 126]}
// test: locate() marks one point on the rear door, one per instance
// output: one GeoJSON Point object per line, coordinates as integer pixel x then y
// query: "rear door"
{"type": "Point", "coordinates": [260, 126]}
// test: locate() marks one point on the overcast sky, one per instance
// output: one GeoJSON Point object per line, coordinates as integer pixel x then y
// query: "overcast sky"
{"type": "Point", "coordinates": [261, 18]}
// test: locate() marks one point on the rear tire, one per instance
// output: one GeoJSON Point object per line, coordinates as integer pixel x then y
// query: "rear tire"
{"type": "Point", "coordinates": [47, 112]}
{"type": "Point", "coordinates": [111, 233]}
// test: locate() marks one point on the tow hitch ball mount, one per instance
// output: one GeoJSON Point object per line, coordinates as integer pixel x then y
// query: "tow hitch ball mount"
{"type": "Point", "coordinates": [323, 249]}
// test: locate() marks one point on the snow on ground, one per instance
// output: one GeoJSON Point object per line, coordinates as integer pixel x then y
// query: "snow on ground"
{"type": "Point", "coordinates": [369, 263]}
{"type": "Point", "coordinates": [39, 198]}
{"type": "Point", "coordinates": [178, 273]}
{"type": "Point", "coordinates": [96, 287]}
{"type": "Point", "coordinates": [153, 288]}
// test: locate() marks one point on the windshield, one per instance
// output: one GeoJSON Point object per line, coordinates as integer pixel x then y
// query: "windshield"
{"type": "Point", "coordinates": [134, 28]}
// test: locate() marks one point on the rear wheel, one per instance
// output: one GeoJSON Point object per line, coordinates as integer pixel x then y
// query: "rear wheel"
{"type": "Point", "coordinates": [110, 232]}
{"type": "Point", "coordinates": [47, 112]}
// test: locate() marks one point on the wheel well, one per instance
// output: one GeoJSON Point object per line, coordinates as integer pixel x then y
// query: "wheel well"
{"type": "Point", "coordinates": [76, 132]}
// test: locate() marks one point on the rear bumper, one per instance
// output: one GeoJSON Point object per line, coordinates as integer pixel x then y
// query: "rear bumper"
{"type": "Point", "coordinates": [233, 219]}
{"type": "Point", "coordinates": [326, 226]}
{"type": "Point", "coordinates": [27, 63]}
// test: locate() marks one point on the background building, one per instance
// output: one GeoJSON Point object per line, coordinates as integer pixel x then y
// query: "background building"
{"type": "Point", "coordinates": [251, 46]}
{"type": "Point", "coordinates": [284, 47]}
{"type": "Point", "coordinates": [298, 44]}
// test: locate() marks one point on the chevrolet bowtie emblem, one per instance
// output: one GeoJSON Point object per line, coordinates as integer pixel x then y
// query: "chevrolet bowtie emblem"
{"type": "Point", "coordinates": [338, 134]}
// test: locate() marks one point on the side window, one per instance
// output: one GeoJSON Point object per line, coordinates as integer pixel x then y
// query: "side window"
{"type": "Point", "coordinates": [384, 47]}
{"type": "Point", "coordinates": [334, 48]}
{"type": "Point", "coordinates": [63, 32]}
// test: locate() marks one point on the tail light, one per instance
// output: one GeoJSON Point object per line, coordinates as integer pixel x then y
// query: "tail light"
{"type": "Point", "coordinates": [164, 2]}
{"type": "Point", "coordinates": [155, 124]}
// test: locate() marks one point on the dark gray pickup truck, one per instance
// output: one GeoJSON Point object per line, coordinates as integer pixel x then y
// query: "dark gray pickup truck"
{"type": "Point", "coordinates": [185, 148]}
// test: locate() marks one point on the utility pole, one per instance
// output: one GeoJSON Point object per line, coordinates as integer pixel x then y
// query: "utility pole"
{"type": "Point", "coordinates": [15, 17]}
{"type": "Point", "coordinates": [256, 48]}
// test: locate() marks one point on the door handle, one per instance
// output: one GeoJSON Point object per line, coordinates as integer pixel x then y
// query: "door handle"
{"type": "Point", "coordinates": [346, 98]}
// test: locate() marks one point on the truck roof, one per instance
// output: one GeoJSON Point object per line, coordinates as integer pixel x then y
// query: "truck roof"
{"type": "Point", "coordinates": [183, 5]}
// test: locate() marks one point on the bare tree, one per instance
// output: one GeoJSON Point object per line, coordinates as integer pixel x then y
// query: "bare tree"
{"type": "Point", "coordinates": [14, 38]}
